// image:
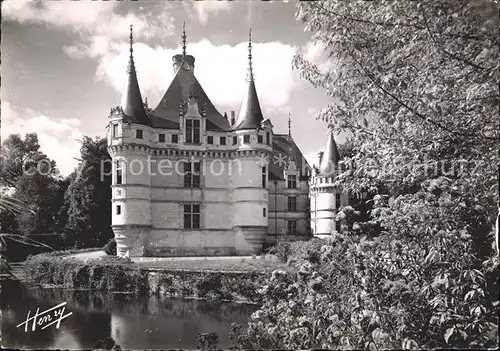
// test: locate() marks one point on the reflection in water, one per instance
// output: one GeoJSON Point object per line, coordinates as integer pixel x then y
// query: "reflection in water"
{"type": "Point", "coordinates": [134, 323]}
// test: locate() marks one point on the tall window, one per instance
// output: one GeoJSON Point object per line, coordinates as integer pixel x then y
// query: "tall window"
{"type": "Point", "coordinates": [175, 139]}
{"type": "Point", "coordinates": [235, 140]}
{"type": "Point", "coordinates": [119, 172]}
{"type": "Point", "coordinates": [210, 139]}
{"type": "Point", "coordinates": [264, 177]}
{"type": "Point", "coordinates": [260, 139]}
{"type": "Point", "coordinates": [268, 138]}
{"type": "Point", "coordinates": [115, 130]}
{"type": "Point", "coordinates": [246, 139]}
{"type": "Point", "coordinates": [264, 212]}
{"type": "Point", "coordinates": [337, 200]}
{"type": "Point", "coordinates": [161, 138]}
{"type": "Point", "coordinates": [292, 227]}
{"type": "Point", "coordinates": [192, 131]}
{"type": "Point", "coordinates": [292, 182]}
{"type": "Point", "coordinates": [192, 216]}
{"type": "Point", "coordinates": [222, 140]}
{"type": "Point", "coordinates": [292, 204]}
{"type": "Point", "coordinates": [118, 209]}
{"type": "Point", "coordinates": [192, 174]}
{"type": "Point", "coordinates": [138, 134]}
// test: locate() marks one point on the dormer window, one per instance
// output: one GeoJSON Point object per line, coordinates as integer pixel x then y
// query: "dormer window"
{"type": "Point", "coordinates": [175, 139]}
{"type": "Point", "coordinates": [115, 130]}
{"type": "Point", "coordinates": [235, 140]}
{"type": "Point", "coordinates": [246, 139]}
{"type": "Point", "coordinates": [260, 139]}
{"type": "Point", "coordinates": [210, 140]}
{"type": "Point", "coordinates": [138, 134]}
{"type": "Point", "coordinates": [222, 140]}
{"type": "Point", "coordinates": [192, 131]}
{"type": "Point", "coordinates": [161, 138]}
{"type": "Point", "coordinates": [292, 182]}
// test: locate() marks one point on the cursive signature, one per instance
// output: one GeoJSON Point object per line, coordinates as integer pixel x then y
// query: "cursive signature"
{"type": "Point", "coordinates": [45, 318]}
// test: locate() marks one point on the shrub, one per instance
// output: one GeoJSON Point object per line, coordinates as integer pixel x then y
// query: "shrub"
{"type": "Point", "coordinates": [110, 247]}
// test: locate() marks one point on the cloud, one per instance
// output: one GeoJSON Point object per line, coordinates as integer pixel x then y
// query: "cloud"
{"type": "Point", "coordinates": [96, 18]}
{"type": "Point", "coordinates": [221, 70]}
{"type": "Point", "coordinates": [316, 53]}
{"type": "Point", "coordinates": [58, 138]}
{"type": "Point", "coordinates": [204, 8]}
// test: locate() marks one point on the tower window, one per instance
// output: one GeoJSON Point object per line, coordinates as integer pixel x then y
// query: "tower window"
{"type": "Point", "coordinates": [138, 134]}
{"type": "Point", "coordinates": [246, 139]}
{"type": "Point", "coordinates": [175, 139]}
{"type": "Point", "coordinates": [115, 130]}
{"type": "Point", "coordinates": [292, 204]}
{"type": "Point", "coordinates": [292, 227]}
{"type": "Point", "coordinates": [268, 139]}
{"type": "Point", "coordinates": [264, 177]}
{"type": "Point", "coordinates": [260, 139]}
{"type": "Point", "coordinates": [222, 140]}
{"type": "Point", "coordinates": [119, 172]}
{"type": "Point", "coordinates": [235, 140]}
{"type": "Point", "coordinates": [264, 212]}
{"type": "Point", "coordinates": [210, 139]}
{"type": "Point", "coordinates": [337, 200]}
{"type": "Point", "coordinates": [292, 182]}
{"type": "Point", "coordinates": [192, 216]}
{"type": "Point", "coordinates": [161, 138]}
{"type": "Point", "coordinates": [118, 209]}
{"type": "Point", "coordinates": [192, 131]}
{"type": "Point", "coordinates": [192, 174]}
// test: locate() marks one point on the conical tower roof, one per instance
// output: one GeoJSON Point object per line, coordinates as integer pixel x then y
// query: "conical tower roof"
{"type": "Point", "coordinates": [331, 156]}
{"type": "Point", "coordinates": [131, 103]}
{"type": "Point", "coordinates": [250, 115]}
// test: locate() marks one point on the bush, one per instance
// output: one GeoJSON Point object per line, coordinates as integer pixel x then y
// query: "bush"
{"type": "Point", "coordinates": [110, 247]}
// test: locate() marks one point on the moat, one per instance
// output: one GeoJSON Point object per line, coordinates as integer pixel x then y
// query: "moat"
{"type": "Point", "coordinates": [134, 323]}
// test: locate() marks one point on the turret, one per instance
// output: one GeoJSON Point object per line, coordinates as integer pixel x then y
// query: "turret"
{"type": "Point", "coordinates": [183, 60]}
{"type": "Point", "coordinates": [330, 159]}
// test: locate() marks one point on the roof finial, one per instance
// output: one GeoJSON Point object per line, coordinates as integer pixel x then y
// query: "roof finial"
{"type": "Point", "coordinates": [289, 124]}
{"type": "Point", "coordinates": [184, 36]}
{"type": "Point", "coordinates": [131, 67]}
{"type": "Point", "coordinates": [250, 72]}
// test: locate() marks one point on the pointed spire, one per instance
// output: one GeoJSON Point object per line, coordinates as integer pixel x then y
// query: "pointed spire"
{"type": "Point", "coordinates": [250, 71]}
{"type": "Point", "coordinates": [184, 36]}
{"type": "Point", "coordinates": [131, 103]}
{"type": "Point", "coordinates": [331, 157]}
{"type": "Point", "coordinates": [250, 115]}
{"type": "Point", "coordinates": [289, 124]}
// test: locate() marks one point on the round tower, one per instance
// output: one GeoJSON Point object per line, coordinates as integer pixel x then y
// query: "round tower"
{"type": "Point", "coordinates": [129, 140]}
{"type": "Point", "coordinates": [253, 136]}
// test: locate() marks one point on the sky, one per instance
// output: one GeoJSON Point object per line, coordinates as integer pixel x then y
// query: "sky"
{"type": "Point", "coordinates": [64, 65]}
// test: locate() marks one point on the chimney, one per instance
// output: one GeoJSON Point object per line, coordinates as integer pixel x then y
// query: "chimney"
{"type": "Point", "coordinates": [320, 157]}
{"type": "Point", "coordinates": [232, 118]}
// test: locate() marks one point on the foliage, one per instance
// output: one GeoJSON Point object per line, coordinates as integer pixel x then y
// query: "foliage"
{"type": "Point", "coordinates": [282, 248]}
{"type": "Point", "coordinates": [88, 198]}
{"type": "Point", "coordinates": [207, 341]}
{"type": "Point", "coordinates": [110, 247]}
{"type": "Point", "coordinates": [415, 84]}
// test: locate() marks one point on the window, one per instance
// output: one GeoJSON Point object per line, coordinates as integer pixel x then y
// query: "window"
{"type": "Point", "coordinates": [138, 134]}
{"type": "Point", "coordinates": [175, 138]}
{"type": "Point", "coordinates": [161, 138]}
{"type": "Point", "coordinates": [222, 140]}
{"type": "Point", "coordinates": [246, 139]}
{"type": "Point", "coordinates": [235, 140]}
{"type": "Point", "coordinates": [118, 209]}
{"type": "Point", "coordinates": [292, 182]}
{"type": "Point", "coordinates": [264, 212]}
{"type": "Point", "coordinates": [260, 139]}
{"type": "Point", "coordinates": [268, 139]}
{"type": "Point", "coordinates": [292, 227]}
{"type": "Point", "coordinates": [264, 177]}
{"type": "Point", "coordinates": [192, 175]}
{"type": "Point", "coordinates": [115, 130]}
{"type": "Point", "coordinates": [192, 216]}
{"type": "Point", "coordinates": [210, 139]}
{"type": "Point", "coordinates": [119, 172]}
{"type": "Point", "coordinates": [337, 200]}
{"type": "Point", "coordinates": [337, 226]}
{"type": "Point", "coordinates": [292, 204]}
{"type": "Point", "coordinates": [192, 131]}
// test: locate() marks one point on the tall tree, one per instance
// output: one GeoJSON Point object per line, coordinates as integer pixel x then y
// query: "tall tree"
{"type": "Point", "coordinates": [88, 198]}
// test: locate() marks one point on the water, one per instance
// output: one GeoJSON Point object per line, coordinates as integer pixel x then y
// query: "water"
{"type": "Point", "coordinates": [134, 323]}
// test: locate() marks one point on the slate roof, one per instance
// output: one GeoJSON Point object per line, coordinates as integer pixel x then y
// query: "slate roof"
{"type": "Point", "coordinates": [284, 146]}
{"type": "Point", "coordinates": [250, 115]}
{"type": "Point", "coordinates": [331, 156]}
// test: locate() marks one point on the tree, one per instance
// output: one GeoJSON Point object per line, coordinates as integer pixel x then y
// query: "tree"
{"type": "Point", "coordinates": [88, 198]}
{"type": "Point", "coordinates": [415, 84]}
